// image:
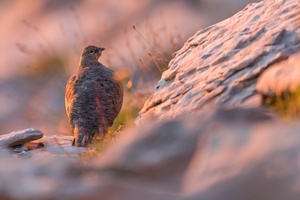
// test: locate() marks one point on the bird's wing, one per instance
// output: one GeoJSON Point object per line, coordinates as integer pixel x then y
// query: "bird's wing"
{"type": "Point", "coordinates": [70, 94]}
{"type": "Point", "coordinates": [120, 94]}
{"type": "Point", "coordinates": [117, 99]}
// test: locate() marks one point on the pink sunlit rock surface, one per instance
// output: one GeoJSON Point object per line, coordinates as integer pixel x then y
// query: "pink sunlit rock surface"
{"type": "Point", "coordinates": [220, 64]}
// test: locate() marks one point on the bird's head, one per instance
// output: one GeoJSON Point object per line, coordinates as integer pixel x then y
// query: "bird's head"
{"type": "Point", "coordinates": [91, 53]}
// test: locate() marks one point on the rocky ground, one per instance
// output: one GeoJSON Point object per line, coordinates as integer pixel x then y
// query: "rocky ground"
{"type": "Point", "coordinates": [203, 133]}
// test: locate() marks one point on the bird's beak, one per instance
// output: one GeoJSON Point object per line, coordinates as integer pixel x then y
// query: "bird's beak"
{"type": "Point", "coordinates": [101, 49]}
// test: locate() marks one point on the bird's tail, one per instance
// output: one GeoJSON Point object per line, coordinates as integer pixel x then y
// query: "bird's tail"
{"type": "Point", "coordinates": [81, 137]}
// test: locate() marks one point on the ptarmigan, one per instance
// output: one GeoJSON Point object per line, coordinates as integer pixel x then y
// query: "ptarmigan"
{"type": "Point", "coordinates": [93, 98]}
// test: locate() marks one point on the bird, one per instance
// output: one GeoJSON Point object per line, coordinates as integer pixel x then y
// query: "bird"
{"type": "Point", "coordinates": [93, 97]}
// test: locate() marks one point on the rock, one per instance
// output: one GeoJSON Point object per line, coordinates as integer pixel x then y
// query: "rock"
{"type": "Point", "coordinates": [57, 140]}
{"type": "Point", "coordinates": [153, 151]}
{"type": "Point", "coordinates": [220, 64]}
{"type": "Point", "coordinates": [53, 146]}
{"type": "Point", "coordinates": [39, 178]}
{"type": "Point", "coordinates": [41, 171]}
{"type": "Point", "coordinates": [249, 161]}
{"type": "Point", "coordinates": [238, 153]}
{"type": "Point", "coordinates": [30, 143]}
{"type": "Point", "coordinates": [219, 154]}
{"type": "Point", "coordinates": [151, 155]}
{"type": "Point", "coordinates": [281, 78]}
{"type": "Point", "coordinates": [61, 146]}
{"type": "Point", "coordinates": [20, 137]}
{"type": "Point", "coordinates": [34, 145]}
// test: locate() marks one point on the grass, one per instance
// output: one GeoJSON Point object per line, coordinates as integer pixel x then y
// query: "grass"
{"type": "Point", "coordinates": [286, 104]}
{"type": "Point", "coordinates": [159, 45]}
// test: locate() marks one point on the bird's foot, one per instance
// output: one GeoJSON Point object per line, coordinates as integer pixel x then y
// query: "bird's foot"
{"type": "Point", "coordinates": [82, 140]}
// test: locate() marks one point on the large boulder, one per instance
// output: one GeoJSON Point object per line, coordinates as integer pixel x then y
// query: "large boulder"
{"type": "Point", "coordinates": [220, 64]}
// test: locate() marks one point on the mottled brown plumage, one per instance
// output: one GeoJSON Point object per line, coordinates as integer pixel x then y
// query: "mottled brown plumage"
{"type": "Point", "coordinates": [93, 97]}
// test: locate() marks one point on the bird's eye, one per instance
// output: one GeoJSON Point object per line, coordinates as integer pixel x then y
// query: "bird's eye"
{"type": "Point", "coordinates": [92, 51]}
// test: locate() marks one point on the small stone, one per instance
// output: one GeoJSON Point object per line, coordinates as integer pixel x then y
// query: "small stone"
{"type": "Point", "coordinates": [20, 137]}
{"type": "Point", "coordinates": [19, 149]}
{"type": "Point", "coordinates": [33, 145]}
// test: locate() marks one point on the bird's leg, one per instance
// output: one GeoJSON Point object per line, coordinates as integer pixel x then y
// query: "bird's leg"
{"type": "Point", "coordinates": [73, 142]}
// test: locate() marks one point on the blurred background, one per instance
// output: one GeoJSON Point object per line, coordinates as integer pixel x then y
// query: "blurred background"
{"type": "Point", "coordinates": [41, 41]}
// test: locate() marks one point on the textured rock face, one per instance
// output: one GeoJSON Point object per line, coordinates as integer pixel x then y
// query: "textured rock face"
{"type": "Point", "coordinates": [220, 64]}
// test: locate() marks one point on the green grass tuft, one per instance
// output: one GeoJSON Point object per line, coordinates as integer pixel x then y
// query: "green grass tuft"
{"type": "Point", "coordinates": [287, 104]}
